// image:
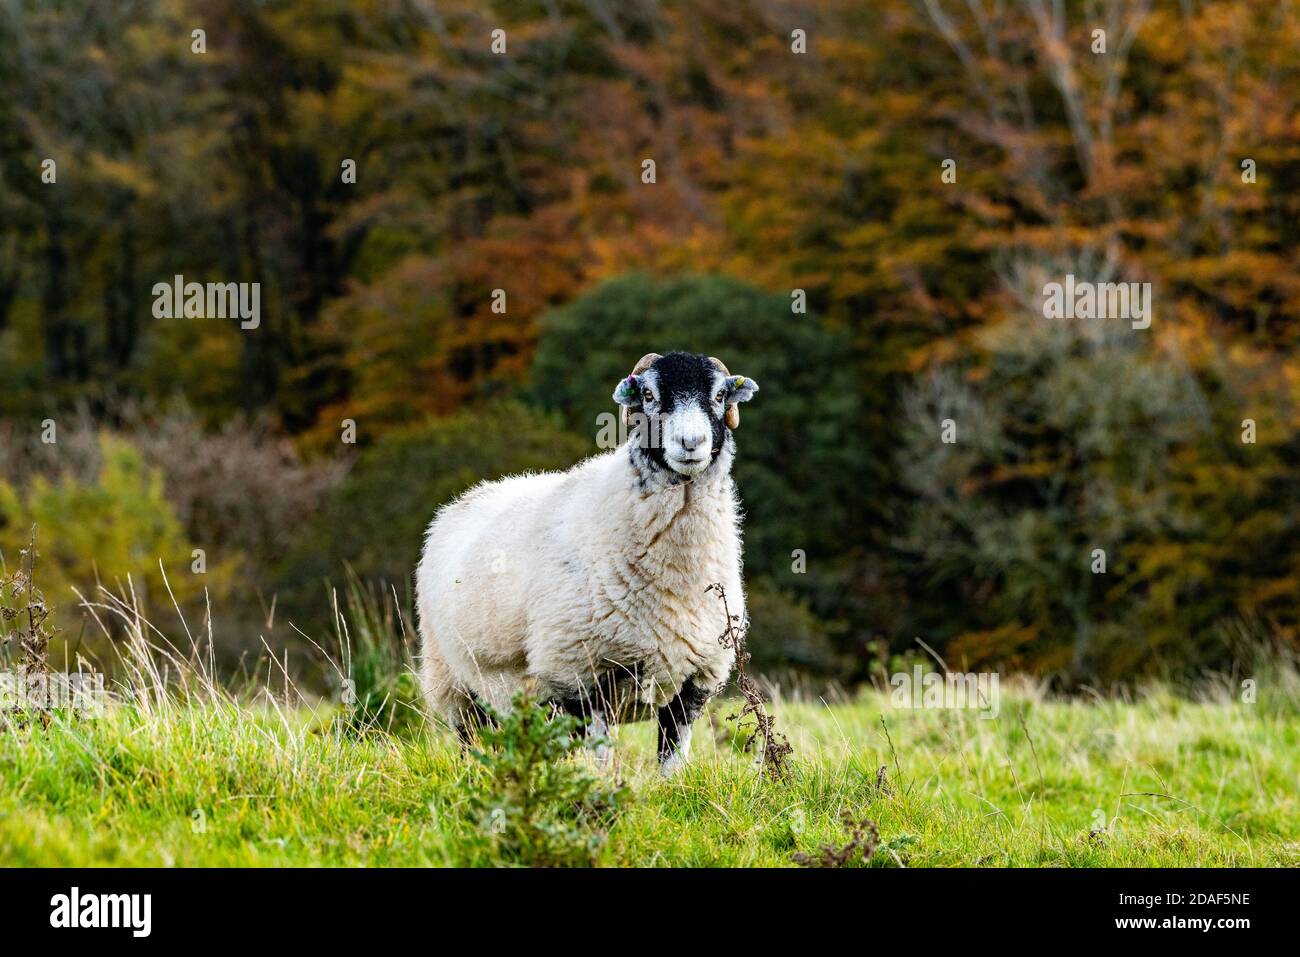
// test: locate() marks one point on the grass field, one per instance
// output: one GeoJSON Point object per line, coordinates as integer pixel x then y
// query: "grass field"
{"type": "Point", "coordinates": [1160, 780]}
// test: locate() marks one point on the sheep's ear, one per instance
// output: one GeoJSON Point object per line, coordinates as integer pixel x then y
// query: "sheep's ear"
{"type": "Point", "coordinates": [739, 389]}
{"type": "Point", "coordinates": [628, 391]}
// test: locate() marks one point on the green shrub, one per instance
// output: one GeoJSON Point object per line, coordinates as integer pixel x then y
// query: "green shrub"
{"type": "Point", "coordinates": [539, 805]}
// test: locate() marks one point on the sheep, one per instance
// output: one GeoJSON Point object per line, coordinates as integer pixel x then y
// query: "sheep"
{"type": "Point", "coordinates": [590, 585]}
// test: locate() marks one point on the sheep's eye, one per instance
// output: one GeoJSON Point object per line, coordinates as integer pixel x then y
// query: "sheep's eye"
{"type": "Point", "coordinates": [648, 395]}
{"type": "Point", "coordinates": [722, 394]}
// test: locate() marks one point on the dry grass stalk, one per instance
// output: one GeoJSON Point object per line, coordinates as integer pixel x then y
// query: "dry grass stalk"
{"type": "Point", "coordinates": [864, 838]}
{"type": "Point", "coordinates": [27, 637]}
{"type": "Point", "coordinates": [776, 747]}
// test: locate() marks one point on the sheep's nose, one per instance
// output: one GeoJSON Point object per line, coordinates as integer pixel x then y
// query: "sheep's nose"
{"type": "Point", "coordinates": [692, 442]}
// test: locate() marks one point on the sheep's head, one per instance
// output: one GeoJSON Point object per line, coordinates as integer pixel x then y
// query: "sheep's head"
{"type": "Point", "coordinates": [691, 400]}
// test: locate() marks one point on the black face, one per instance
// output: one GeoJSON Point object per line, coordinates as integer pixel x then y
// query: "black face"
{"type": "Point", "coordinates": [678, 384]}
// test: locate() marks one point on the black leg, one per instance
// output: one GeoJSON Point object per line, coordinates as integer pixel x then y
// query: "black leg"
{"type": "Point", "coordinates": [675, 720]}
{"type": "Point", "coordinates": [600, 707]}
{"type": "Point", "coordinates": [602, 699]}
{"type": "Point", "coordinates": [471, 719]}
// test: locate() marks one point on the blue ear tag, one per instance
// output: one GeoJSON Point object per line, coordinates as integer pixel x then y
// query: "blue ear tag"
{"type": "Point", "coordinates": [627, 390]}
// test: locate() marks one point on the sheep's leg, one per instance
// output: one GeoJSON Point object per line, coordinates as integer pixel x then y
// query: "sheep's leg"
{"type": "Point", "coordinates": [598, 728]}
{"type": "Point", "coordinates": [593, 710]}
{"type": "Point", "coordinates": [675, 720]}
{"type": "Point", "coordinates": [470, 718]}
{"type": "Point", "coordinates": [599, 707]}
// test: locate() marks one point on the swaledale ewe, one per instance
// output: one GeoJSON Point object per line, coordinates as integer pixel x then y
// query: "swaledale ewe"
{"type": "Point", "coordinates": [590, 584]}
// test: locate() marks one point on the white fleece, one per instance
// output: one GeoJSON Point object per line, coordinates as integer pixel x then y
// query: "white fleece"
{"type": "Point", "coordinates": [557, 576]}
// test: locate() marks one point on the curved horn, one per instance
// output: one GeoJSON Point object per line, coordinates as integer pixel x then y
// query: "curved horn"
{"type": "Point", "coordinates": [732, 417]}
{"type": "Point", "coordinates": [645, 362]}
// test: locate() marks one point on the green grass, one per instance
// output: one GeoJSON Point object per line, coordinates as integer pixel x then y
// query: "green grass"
{"type": "Point", "coordinates": [1046, 783]}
